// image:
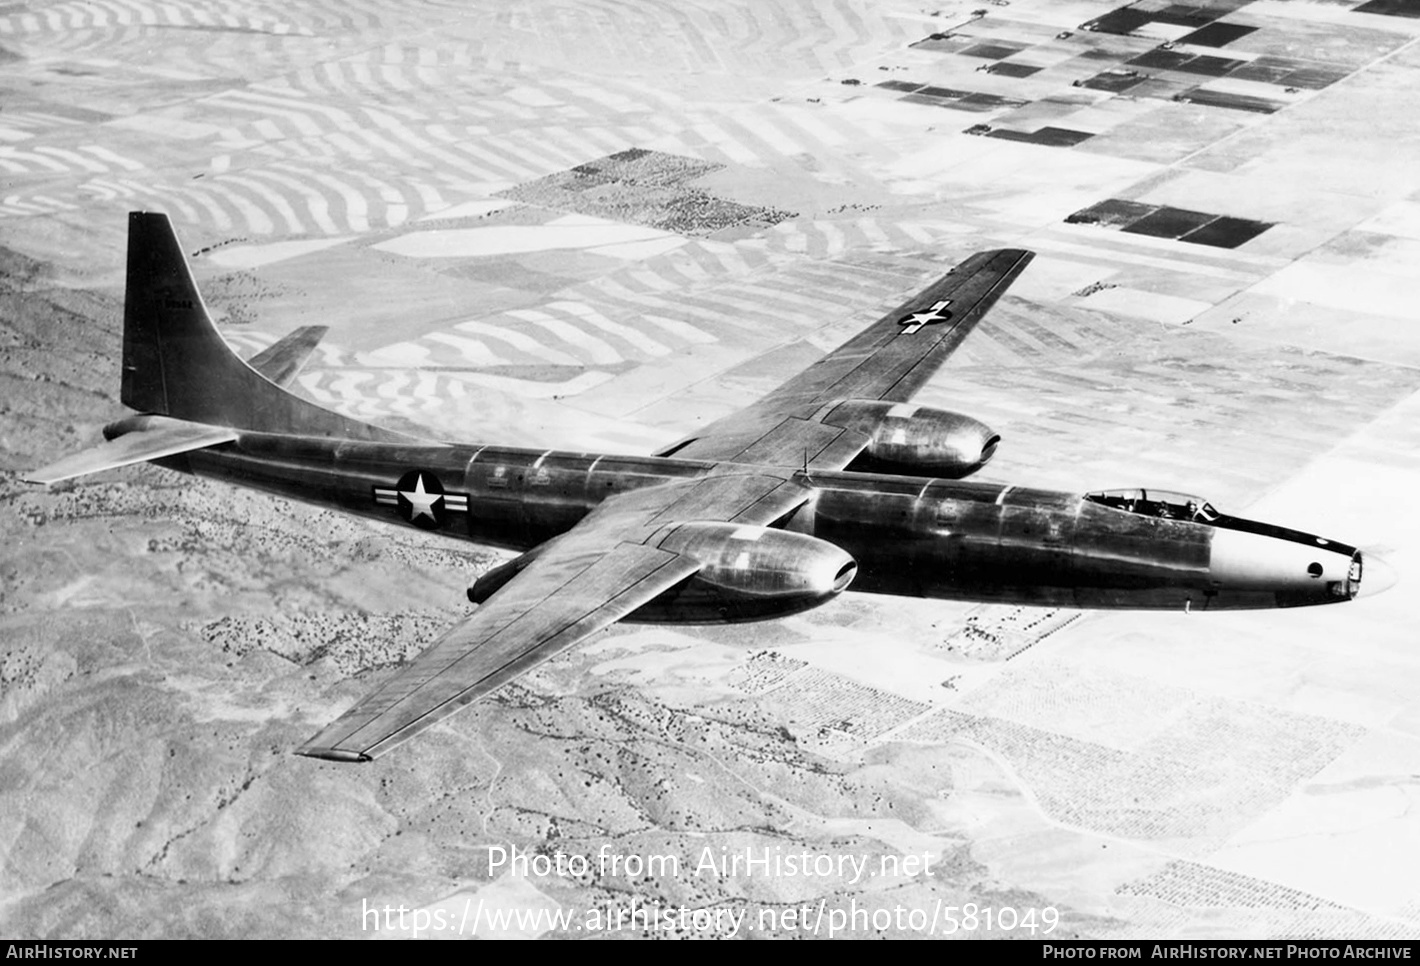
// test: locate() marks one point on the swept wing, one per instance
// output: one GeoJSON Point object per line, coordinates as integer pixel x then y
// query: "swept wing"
{"type": "Point", "coordinates": [890, 360]}
{"type": "Point", "coordinates": [612, 563]}
{"type": "Point", "coordinates": [595, 574]}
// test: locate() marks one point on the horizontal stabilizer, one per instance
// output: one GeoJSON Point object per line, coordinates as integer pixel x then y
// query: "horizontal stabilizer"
{"type": "Point", "coordinates": [161, 437]}
{"type": "Point", "coordinates": [281, 361]}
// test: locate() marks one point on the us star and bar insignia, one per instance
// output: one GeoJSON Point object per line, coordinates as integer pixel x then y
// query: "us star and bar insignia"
{"type": "Point", "coordinates": [421, 500]}
{"type": "Point", "coordinates": [911, 323]}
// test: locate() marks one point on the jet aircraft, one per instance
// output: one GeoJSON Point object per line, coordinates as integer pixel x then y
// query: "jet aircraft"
{"type": "Point", "coordinates": [835, 478]}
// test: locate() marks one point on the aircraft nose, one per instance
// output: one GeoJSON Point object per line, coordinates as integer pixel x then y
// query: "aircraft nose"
{"type": "Point", "coordinates": [1375, 575]}
{"type": "Point", "coordinates": [1293, 568]}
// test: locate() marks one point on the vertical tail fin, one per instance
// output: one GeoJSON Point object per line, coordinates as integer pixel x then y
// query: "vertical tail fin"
{"type": "Point", "coordinates": [176, 364]}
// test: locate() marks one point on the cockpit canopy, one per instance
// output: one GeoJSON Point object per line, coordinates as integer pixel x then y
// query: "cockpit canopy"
{"type": "Point", "coordinates": [1157, 503]}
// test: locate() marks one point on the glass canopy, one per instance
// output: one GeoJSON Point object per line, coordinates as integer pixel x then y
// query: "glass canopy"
{"type": "Point", "coordinates": [1157, 503]}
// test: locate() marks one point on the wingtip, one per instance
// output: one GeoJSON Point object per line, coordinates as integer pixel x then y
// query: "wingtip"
{"type": "Point", "coordinates": [66, 469]}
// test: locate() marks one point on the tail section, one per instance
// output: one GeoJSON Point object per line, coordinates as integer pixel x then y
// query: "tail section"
{"type": "Point", "coordinates": [176, 364]}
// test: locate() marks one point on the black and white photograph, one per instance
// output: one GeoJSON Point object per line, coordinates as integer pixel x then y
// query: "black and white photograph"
{"type": "Point", "coordinates": [724, 469]}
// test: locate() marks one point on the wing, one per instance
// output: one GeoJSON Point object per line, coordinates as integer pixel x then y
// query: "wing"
{"type": "Point", "coordinates": [596, 573]}
{"type": "Point", "coordinates": [889, 360]}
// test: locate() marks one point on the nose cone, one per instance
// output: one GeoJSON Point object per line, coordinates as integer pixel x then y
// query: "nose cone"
{"type": "Point", "coordinates": [1282, 568]}
{"type": "Point", "coordinates": [1375, 575]}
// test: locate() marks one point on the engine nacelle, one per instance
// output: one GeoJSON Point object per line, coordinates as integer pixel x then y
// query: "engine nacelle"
{"type": "Point", "coordinates": [492, 580]}
{"type": "Point", "coordinates": [916, 440]}
{"type": "Point", "coordinates": [748, 573]}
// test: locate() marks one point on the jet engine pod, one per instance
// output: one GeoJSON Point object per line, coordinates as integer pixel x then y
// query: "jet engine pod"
{"type": "Point", "coordinates": [492, 580]}
{"type": "Point", "coordinates": [916, 440]}
{"type": "Point", "coordinates": [747, 573]}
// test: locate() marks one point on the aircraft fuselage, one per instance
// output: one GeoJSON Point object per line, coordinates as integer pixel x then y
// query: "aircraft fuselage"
{"type": "Point", "coordinates": [910, 536]}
